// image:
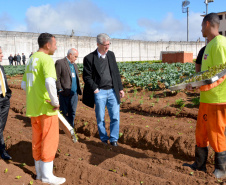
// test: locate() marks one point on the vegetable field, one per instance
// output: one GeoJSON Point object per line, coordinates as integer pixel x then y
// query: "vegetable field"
{"type": "Point", "coordinates": [155, 76]}
{"type": "Point", "coordinates": [14, 70]}
{"type": "Point", "coordinates": [151, 76]}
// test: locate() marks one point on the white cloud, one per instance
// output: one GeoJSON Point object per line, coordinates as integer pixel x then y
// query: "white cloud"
{"type": "Point", "coordinates": [83, 16]}
{"type": "Point", "coordinates": [170, 28]}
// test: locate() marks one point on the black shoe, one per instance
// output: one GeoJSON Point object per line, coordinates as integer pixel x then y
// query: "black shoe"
{"type": "Point", "coordinates": [114, 143]}
{"type": "Point", "coordinates": [105, 142]}
{"type": "Point", "coordinates": [5, 155]}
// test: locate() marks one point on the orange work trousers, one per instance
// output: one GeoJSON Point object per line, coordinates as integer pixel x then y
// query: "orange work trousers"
{"type": "Point", "coordinates": [45, 137]}
{"type": "Point", "coordinates": [210, 128]}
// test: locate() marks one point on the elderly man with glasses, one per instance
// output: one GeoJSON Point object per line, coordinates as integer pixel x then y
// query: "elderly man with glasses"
{"type": "Point", "coordinates": [103, 87]}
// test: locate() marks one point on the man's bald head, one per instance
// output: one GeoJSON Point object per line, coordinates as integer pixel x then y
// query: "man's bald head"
{"type": "Point", "coordinates": [213, 19]}
{"type": "Point", "coordinates": [72, 55]}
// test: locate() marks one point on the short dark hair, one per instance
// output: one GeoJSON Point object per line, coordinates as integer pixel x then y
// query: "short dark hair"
{"type": "Point", "coordinates": [44, 38]}
{"type": "Point", "coordinates": [213, 18]}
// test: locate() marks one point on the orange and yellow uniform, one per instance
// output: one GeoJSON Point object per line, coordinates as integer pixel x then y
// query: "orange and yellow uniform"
{"type": "Point", "coordinates": [211, 120]}
{"type": "Point", "coordinates": [44, 120]}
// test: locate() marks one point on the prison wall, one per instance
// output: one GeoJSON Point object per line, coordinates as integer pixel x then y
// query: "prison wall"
{"type": "Point", "coordinates": [124, 49]}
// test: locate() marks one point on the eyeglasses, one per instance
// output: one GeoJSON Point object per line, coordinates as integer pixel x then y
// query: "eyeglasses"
{"type": "Point", "coordinates": [105, 44]}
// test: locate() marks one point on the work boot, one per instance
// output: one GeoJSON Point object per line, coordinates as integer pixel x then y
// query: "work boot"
{"type": "Point", "coordinates": [201, 154]}
{"type": "Point", "coordinates": [38, 169]}
{"type": "Point", "coordinates": [220, 164]}
{"type": "Point", "coordinates": [47, 174]}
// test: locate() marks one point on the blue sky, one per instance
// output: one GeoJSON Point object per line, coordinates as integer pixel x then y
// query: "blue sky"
{"type": "Point", "coordinates": [150, 20]}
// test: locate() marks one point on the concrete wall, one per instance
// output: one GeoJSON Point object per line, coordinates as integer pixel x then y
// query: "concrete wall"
{"type": "Point", "coordinates": [125, 50]}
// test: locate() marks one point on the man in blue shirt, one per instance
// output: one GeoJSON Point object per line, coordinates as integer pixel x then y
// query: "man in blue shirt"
{"type": "Point", "coordinates": [68, 85]}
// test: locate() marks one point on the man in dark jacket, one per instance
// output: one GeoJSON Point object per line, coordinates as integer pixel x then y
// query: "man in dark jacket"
{"type": "Point", "coordinates": [103, 87]}
{"type": "Point", "coordinates": [15, 59]}
{"type": "Point", "coordinates": [23, 58]}
{"type": "Point", "coordinates": [10, 59]}
{"type": "Point", "coordinates": [5, 94]}
{"type": "Point", "coordinates": [68, 85]}
{"type": "Point", "coordinates": [18, 59]}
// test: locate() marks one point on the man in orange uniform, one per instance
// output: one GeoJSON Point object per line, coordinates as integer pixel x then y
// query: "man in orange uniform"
{"type": "Point", "coordinates": [42, 104]}
{"type": "Point", "coordinates": [211, 120]}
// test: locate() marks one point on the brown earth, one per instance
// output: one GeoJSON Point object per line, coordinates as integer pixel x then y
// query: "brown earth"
{"type": "Point", "coordinates": [156, 138]}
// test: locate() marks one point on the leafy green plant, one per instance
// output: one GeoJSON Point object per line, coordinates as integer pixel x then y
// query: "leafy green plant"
{"type": "Point", "coordinates": [120, 134]}
{"type": "Point", "coordinates": [141, 102]}
{"type": "Point", "coordinates": [157, 99]}
{"type": "Point", "coordinates": [113, 170]}
{"type": "Point", "coordinates": [164, 93]}
{"type": "Point", "coordinates": [135, 92]}
{"type": "Point", "coordinates": [180, 102]}
{"type": "Point", "coordinates": [151, 95]}
{"type": "Point", "coordinates": [22, 164]}
{"type": "Point", "coordinates": [195, 101]}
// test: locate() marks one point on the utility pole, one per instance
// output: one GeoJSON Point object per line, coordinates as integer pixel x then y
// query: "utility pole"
{"type": "Point", "coordinates": [187, 24]}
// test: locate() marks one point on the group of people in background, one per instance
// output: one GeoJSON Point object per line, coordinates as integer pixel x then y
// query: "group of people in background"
{"type": "Point", "coordinates": [16, 59]}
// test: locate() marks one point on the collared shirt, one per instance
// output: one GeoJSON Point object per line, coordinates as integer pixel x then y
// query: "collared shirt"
{"type": "Point", "coordinates": [3, 81]}
{"type": "Point", "coordinates": [73, 75]}
{"type": "Point", "coordinates": [100, 55]}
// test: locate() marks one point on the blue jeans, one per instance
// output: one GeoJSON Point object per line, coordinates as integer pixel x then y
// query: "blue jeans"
{"type": "Point", "coordinates": [102, 99]}
{"type": "Point", "coordinates": [68, 105]}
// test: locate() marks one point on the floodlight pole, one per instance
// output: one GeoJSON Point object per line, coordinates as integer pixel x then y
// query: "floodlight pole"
{"type": "Point", "coordinates": [187, 24]}
{"type": "Point", "coordinates": [185, 9]}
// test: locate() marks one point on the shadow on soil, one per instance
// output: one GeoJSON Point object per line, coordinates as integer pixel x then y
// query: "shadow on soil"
{"type": "Point", "coordinates": [21, 154]}
{"type": "Point", "coordinates": [25, 119]}
{"type": "Point", "coordinates": [107, 151]}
